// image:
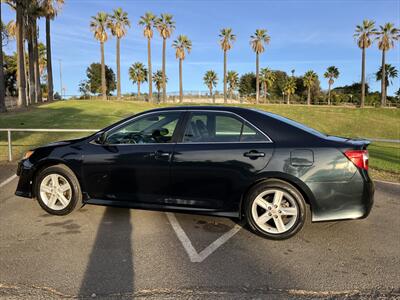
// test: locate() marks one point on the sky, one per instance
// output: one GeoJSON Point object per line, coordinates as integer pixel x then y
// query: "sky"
{"type": "Point", "coordinates": [306, 34]}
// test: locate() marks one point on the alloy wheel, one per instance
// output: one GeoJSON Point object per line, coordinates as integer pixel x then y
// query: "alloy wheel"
{"type": "Point", "coordinates": [275, 211]}
{"type": "Point", "coordinates": [55, 191]}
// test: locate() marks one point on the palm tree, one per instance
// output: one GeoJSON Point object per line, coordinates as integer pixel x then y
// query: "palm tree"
{"type": "Point", "coordinates": [182, 45]}
{"type": "Point", "coordinates": [19, 7]}
{"type": "Point", "coordinates": [147, 21]}
{"type": "Point", "coordinates": [309, 79]}
{"type": "Point", "coordinates": [257, 41]}
{"type": "Point", "coordinates": [42, 58]}
{"type": "Point", "coordinates": [226, 40]}
{"type": "Point", "coordinates": [331, 73]}
{"type": "Point", "coordinates": [98, 25]}
{"type": "Point", "coordinates": [397, 93]}
{"type": "Point", "coordinates": [158, 81]}
{"type": "Point", "coordinates": [267, 78]}
{"type": "Point", "coordinates": [35, 36]}
{"type": "Point", "coordinates": [2, 81]}
{"type": "Point", "coordinates": [289, 88]}
{"type": "Point", "coordinates": [50, 9]}
{"type": "Point", "coordinates": [210, 80]}
{"type": "Point", "coordinates": [232, 79]}
{"type": "Point", "coordinates": [387, 35]}
{"type": "Point", "coordinates": [32, 12]}
{"type": "Point", "coordinates": [364, 36]}
{"type": "Point", "coordinates": [138, 74]}
{"type": "Point", "coordinates": [390, 73]}
{"type": "Point", "coordinates": [165, 26]}
{"type": "Point", "coordinates": [118, 24]}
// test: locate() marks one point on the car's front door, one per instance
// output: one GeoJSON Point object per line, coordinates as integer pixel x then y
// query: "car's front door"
{"type": "Point", "coordinates": [219, 154]}
{"type": "Point", "coordinates": [133, 163]}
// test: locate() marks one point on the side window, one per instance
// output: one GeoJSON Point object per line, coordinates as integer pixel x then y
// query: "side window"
{"type": "Point", "coordinates": [227, 128]}
{"type": "Point", "coordinates": [152, 128]}
{"type": "Point", "coordinates": [215, 127]}
{"type": "Point", "coordinates": [250, 134]}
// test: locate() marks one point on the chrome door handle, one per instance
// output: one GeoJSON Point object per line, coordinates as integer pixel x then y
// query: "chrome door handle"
{"type": "Point", "coordinates": [160, 154]}
{"type": "Point", "coordinates": [254, 154]}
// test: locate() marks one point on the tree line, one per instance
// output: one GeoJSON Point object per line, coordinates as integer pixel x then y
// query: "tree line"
{"type": "Point", "coordinates": [365, 34]}
{"type": "Point", "coordinates": [25, 30]}
{"type": "Point", "coordinates": [117, 24]}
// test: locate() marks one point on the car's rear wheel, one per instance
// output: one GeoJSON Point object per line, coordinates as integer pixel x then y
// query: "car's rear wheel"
{"type": "Point", "coordinates": [57, 190]}
{"type": "Point", "coordinates": [275, 209]}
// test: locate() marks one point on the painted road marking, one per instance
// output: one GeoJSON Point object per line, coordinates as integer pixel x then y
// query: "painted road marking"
{"type": "Point", "coordinates": [194, 256]}
{"type": "Point", "coordinates": [8, 180]}
{"type": "Point", "coordinates": [388, 182]}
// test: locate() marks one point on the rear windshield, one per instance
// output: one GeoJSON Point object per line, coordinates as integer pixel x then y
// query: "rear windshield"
{"type": "Point", "coordinates": [293, 123]}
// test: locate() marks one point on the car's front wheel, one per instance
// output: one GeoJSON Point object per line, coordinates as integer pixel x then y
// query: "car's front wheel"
{"type": "Point", "coordinates": [57, 190]}
{"type": "Point", "coordinates": [275, 209]}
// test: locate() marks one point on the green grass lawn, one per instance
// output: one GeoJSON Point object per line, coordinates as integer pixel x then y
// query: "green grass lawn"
{"type": "Point", "coordinates": [350, 122]}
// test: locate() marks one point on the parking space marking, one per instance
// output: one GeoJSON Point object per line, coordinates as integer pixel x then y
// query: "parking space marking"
{"type": "Point", "coordinates": [8, 180]}
{"type": "Point", "coordinates": [194, 256]}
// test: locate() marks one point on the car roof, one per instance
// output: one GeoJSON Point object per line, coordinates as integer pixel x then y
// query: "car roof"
{"type": "Point", "coordinates": [204, 107]}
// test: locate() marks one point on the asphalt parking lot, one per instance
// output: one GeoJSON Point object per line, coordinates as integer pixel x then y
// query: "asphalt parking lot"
{"type": "Point", "coordinates": [101, 252]}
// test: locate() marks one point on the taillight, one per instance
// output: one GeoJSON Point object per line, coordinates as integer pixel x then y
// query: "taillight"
{"type": "Point", "coordinates": [358, 157]}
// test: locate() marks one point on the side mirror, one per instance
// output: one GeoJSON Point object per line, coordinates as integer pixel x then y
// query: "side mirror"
{"type": "Point", "coordinates": [101, 139]}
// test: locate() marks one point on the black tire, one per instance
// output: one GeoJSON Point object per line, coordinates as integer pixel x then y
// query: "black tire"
{"type": "Point", "coordinates": [76, 198]}
{"type": "Point", "coordinates": [275, 184]}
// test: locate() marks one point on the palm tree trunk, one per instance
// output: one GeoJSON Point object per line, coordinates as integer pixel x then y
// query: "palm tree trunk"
{"type": "Point", "coordinates": [257, 78]}
{"type": "Point", "coordinates": [211, 94]}
{"type": "Point", "coordinates": [150, 72]}
{"type": "Point", "coordinates": [164, 87]}
{"type": "Point", "coordinates": [49, 64]}
{"type": "Point", "coordinates": [138, 90]}
{"type": "Point", "coordinates": [309, 96]}
{"type": "Point", "coordinates": [362, 78]}
{"type": "Point", "coordinates": [329, 94]}
{"type": "Point", "coordinates": [21, 82]}
{"type": "Point", "coordinates": [103, 73]}
{"type": "Point", "coordinates": [31, 66]}
{"type": "Point", "coordinates": [383, 80]}
{"type": "Point", "coordinates": [288, 98]}
{"type": "Point", "coordinates": [265, 91]}
{"type": "Point", "coordinates": [225, 76]}
{"type": "Point", "coordinates": [180, 81]}
{"type": "Point", "coordinates": [118, 68]}
{"type": "Point", "coordinates": [2, 82]}
{"type": "Point", "coordinates": [38, 92]}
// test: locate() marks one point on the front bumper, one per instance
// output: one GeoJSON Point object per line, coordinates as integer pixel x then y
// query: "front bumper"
{"type": "Point", "coordinates": [25, 171]}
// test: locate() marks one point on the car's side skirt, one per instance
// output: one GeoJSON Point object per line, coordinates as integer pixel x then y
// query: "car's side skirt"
{"type": "Point", "coordinates": [169, 208]}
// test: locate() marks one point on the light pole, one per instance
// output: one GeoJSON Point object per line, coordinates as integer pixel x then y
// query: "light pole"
{"type": "Point", "coordinates": [61, 84]}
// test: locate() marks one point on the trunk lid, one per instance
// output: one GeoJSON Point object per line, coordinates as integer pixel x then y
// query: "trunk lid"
{"type": "Point", "coordinates": [354, 143]}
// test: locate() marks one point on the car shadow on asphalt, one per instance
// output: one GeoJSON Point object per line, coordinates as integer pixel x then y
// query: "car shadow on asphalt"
{"type": "Point", "coordinates": [110, 267]}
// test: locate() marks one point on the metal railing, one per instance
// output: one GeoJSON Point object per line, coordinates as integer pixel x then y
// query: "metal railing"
{"type": "Point", "coordinates": [10, 130]}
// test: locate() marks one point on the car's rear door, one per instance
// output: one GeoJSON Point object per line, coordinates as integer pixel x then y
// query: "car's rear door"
{"type": "Point", "coordinates": [218, 155]}
{"type": "Point", "coordinates": [133, 164]}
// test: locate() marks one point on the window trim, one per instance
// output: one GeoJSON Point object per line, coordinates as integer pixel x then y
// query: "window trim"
{"type": "Point", "coordinates": [173, 138]}
{"type": "Point", "coordinates": [177, 137]}
{"type": "Point", "coordinates": [187, 119]}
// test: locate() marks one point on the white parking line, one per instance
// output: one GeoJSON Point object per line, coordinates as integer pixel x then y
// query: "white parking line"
{"type": "Point", "coordinates": [8, 180]}
{"type": "Point", "coordinates": [388, 182]}
{"type": "Point", "coordinates": [194, 256]}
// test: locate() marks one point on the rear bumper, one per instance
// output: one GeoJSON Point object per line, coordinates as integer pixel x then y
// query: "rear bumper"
{"type": "Point", "coordinates": [343, 200]}
{"type": "Point", "coordinates": [25, 184]}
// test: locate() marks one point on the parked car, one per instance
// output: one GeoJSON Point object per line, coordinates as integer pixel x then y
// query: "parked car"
{"type": "Point", "coordinates": [222, 161]}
